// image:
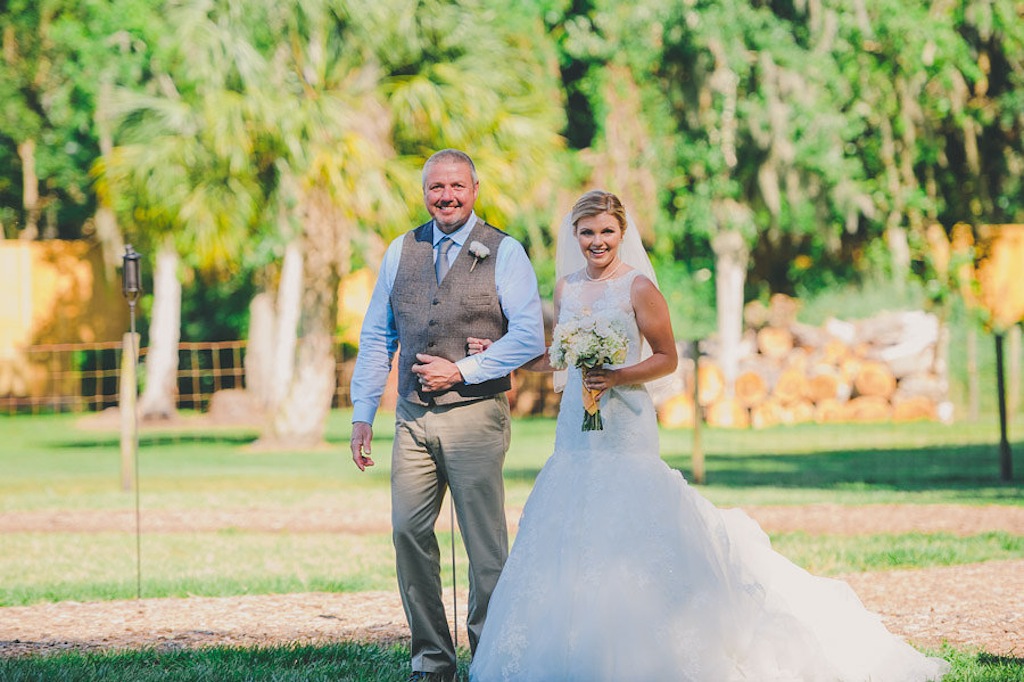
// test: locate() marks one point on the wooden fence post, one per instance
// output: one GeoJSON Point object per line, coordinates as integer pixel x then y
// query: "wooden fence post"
{"type": "Point", "coordinates": [1005, 458]}
{"type": "Point", "coordinates": [698, 447]}
{"type": "Point", "coordinates": [128, 405]}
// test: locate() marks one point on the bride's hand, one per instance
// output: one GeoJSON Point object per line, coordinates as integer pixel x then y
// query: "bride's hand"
{"type": "Point", "coordinates": [475, 345]}
{"type": "Point", "coordinates": [600, 379]}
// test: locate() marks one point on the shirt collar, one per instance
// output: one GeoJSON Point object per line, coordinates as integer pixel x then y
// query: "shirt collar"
{"type": "Point", "coordinates": [460, 235]}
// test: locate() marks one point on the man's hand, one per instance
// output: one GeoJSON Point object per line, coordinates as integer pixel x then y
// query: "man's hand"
{"type": "Point", "coordinates": [436, 373]}
{"type": "Point", "coordinates": [362, 434]}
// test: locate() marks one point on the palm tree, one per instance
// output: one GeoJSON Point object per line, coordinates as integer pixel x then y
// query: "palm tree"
{"type": "Point", "coordinates": [185, 158]}
{"type": "Point", "coordinates": [327, 132]}
{"type": "Point", "coordinates": [285, 114]}
{"type": "Point", "coordinates": [483, 78]}
{"type": "Point", "coordinates": [361, 80]}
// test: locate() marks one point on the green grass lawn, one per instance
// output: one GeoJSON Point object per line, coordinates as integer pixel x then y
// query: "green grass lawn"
{"type": "Point", "coordinates": [334, 663]}
{"type": "Point", "coordinates": [49, 464]}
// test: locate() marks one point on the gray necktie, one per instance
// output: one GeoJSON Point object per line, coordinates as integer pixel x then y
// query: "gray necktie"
{"type": "Point", "coordinates": [441, 265]}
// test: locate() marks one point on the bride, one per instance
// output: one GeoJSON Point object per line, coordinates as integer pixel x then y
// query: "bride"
{"type": "Point", "coordinates": [620, 571]}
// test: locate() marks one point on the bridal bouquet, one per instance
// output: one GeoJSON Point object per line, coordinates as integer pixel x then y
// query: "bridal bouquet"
{"type": "Point", "coordinates": [586, 342]}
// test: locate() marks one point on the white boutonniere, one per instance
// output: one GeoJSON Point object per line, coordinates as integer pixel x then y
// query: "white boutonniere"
{"type": "Point", "coordinates": [479, 252]}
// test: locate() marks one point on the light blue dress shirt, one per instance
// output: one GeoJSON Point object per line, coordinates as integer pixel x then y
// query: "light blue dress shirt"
{"type": "Point", "coordinates": [517, 294]}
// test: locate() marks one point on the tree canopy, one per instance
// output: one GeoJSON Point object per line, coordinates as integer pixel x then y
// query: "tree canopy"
{"type": "Point", "coordinates": [825, 135]}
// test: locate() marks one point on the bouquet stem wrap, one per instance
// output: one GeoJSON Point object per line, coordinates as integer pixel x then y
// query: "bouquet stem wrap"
{"type": "Point", "coordinates": [592, 410]}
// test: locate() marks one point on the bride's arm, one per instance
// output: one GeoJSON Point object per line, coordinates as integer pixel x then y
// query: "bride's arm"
{"type": "Point", "coordinates": [652, 318]}
{"type": "Point", "coordinates": [541, 363]}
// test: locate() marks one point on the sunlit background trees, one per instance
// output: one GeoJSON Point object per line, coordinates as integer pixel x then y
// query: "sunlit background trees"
{"type": "Point", "coordinates": [259, 152]}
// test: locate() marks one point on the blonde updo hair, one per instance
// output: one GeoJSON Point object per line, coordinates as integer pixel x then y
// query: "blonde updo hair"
{"type": "Point", "coordinates": [597, 202]}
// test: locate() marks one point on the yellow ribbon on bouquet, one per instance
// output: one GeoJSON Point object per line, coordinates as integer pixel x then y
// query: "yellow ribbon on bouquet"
{"type": "Point", "coordinates": [592, 410]}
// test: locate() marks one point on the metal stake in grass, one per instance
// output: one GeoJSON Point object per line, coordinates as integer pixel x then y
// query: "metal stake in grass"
{"type": "Point", "coordinates": [455, 601]}
{"type": "Point", "coordinates": [131, 286]}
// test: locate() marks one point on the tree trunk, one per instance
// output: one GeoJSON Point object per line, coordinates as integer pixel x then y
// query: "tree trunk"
{"type": "Point", "coordinates": [751, 388]}
{"type": "Point", "coordinates": [792, 386]}
{"type": "Point", "coordinates": [286, 322]}
{"type": "Point", "coordinates": [727, 413]}
{"type": "Point", "coordinates": [899, 248]}
{"type": "Point", "coordinates": [774, 342]}
{"type": "Point", "coordinates": [867, 408]}
{"type": "Point", "coordinates": [111, 240]}
{"type": "Point", "coordinates": [259, 354]}
{"type": "Point", "coordinates": [730, 274]}
{"type": "Point", "coordinates": [30, 189]}
{"type": "Point", "coordinates": [916, 408]}
{"type": "Point", "coordinates": [159, 398]}
{"type": "Point", "coordinates": [710, 382]}
{"type": "Point", "coordinates": [973, 390]}
{"type": "Point", "coordinates": [874, 379]}
{"type": "Point", "coordinates": [299, 420]}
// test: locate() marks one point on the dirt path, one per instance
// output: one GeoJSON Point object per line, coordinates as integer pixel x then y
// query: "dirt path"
{"type": "Point", "coordinates": [978, 606]}
{"type": "Point", "coordinates": [817, 519]}
{"type": "Point", "coordinates": [975, 606]}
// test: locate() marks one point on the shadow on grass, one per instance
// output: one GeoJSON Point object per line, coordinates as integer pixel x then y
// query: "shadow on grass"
{"type": "Point", "coordinates": [967, 468]}
{"type": "Point", "coordinates": [161, 439]}
{"type": "Point", "coordinates": [979, 666]}
{"type": "Point", "coordinates": [239, 438]}
{"type": "Point", "coordinates": [1007, 661]}
{"type": "Point", "coordinates": [946, 467]}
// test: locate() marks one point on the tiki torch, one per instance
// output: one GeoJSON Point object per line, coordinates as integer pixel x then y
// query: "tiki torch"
{"type": "Point", "coordinates": [131, 287]}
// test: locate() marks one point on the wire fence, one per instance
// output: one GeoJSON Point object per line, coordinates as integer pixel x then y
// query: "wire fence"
{"type": "Point", "coordinates": [86, 377]}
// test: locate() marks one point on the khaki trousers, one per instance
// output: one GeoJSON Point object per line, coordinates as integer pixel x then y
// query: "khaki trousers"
{"type": "Point", "coordinates": [462, 448]}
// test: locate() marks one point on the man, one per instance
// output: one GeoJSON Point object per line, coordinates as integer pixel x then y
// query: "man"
{"type": "Point", "coordinates": [451, 278]}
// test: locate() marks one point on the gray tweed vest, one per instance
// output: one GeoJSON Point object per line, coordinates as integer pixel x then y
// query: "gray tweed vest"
{"type": "Point", "coordinates": [437, 319]}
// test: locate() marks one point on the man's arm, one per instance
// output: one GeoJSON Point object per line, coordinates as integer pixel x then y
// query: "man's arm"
{"type": "Point", "coordinates": [378, 341]}
{"type": "Point", "coordinates": [520, 302]}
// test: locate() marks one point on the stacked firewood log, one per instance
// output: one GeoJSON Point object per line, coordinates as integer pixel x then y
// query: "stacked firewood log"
{"type": "Point", "coordinates": [891, 367]}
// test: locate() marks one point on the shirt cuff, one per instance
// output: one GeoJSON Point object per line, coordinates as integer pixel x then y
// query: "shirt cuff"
{"type": "Point", "coordinates": [363, 413]}
{"type": "Point", "coordinates": [469, 367]}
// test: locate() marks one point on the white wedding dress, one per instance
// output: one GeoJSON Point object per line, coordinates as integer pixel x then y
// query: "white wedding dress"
{"type": "Point", "coordinates": [621, 572]}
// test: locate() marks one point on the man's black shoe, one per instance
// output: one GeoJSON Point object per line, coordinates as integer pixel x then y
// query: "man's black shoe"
{"type": "Point", "coordinates": [421, 676]}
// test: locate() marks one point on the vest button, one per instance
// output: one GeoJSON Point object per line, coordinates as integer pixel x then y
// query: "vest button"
{"type": "Point", "coordinates": [432, 323]}
{"type": "Point", "coordinates": [431, 344]}
{"type": "Point", "coordinates": [436, 301]}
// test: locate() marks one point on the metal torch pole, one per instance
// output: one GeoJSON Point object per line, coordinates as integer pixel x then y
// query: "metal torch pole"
{"type": "Point", "coordinates": [131, 284]}
{"type": "Point", "coordinates": [455, 601]}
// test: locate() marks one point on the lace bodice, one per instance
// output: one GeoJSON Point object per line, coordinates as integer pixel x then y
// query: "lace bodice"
{"type": "Point", "coordinates": [629, 418]}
